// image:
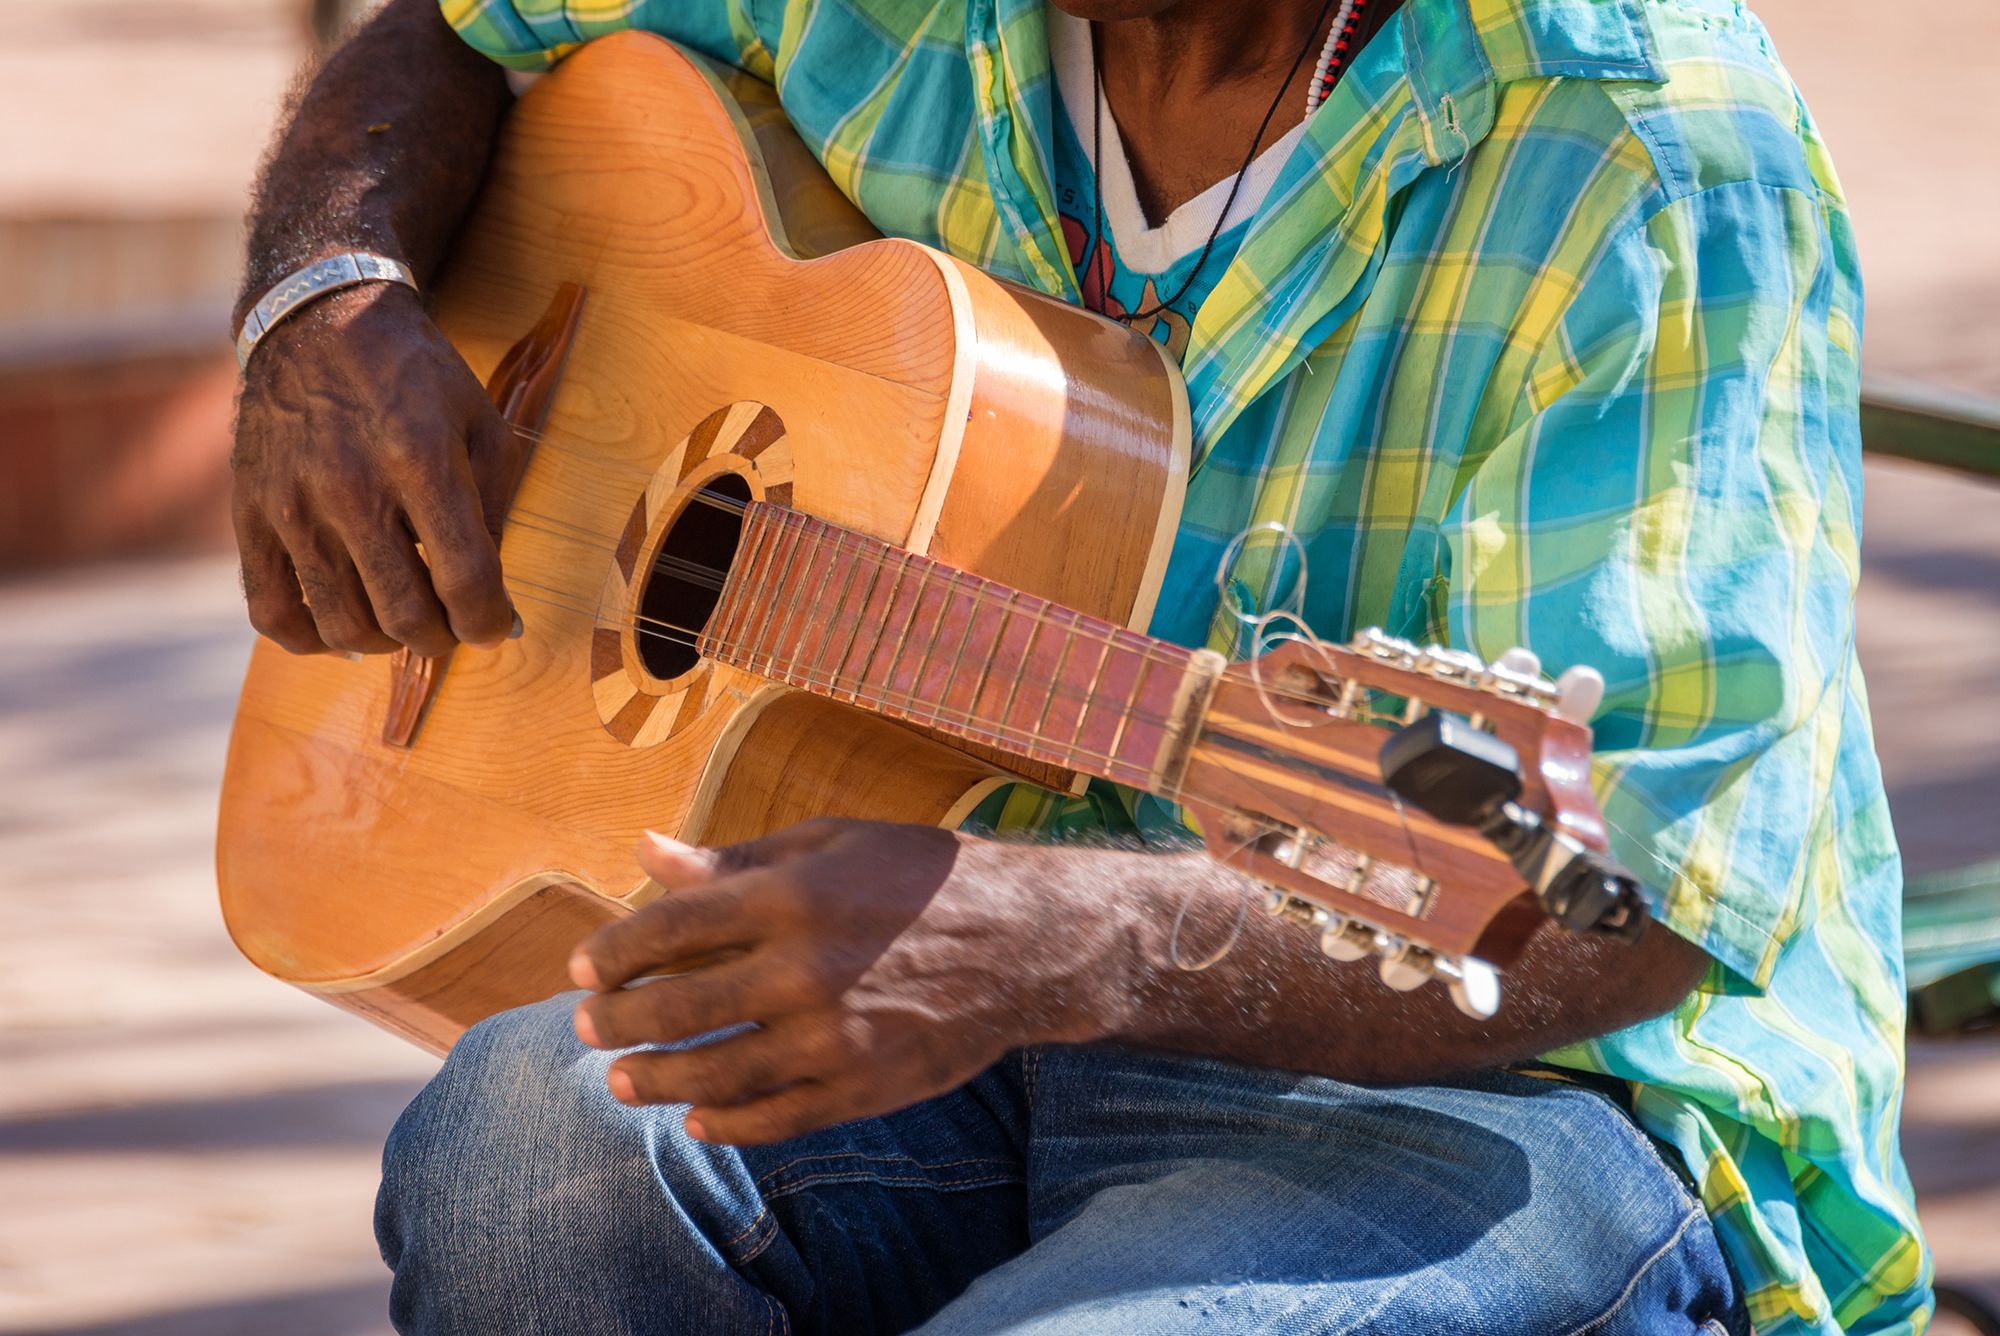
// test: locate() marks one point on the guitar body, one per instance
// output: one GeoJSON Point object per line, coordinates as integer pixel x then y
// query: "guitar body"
{"type": "Point", "coordinates": [736, 332]}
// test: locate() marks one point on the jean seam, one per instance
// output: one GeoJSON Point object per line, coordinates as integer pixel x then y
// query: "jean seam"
{"type": "Point", "coordinates": [790, 1165]}
{"type": "Point", "coordinates": [756, 1246]}
{"type": "Point", "coordinates": [1632, 1285]}
{"type": "Point", "coordinates": [880, 1180]}
{"type": "Point", "coordinates": [1032, 1062]}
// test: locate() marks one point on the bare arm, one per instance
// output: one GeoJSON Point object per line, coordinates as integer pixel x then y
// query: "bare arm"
{"type": "Point", "coordinates": [360, 431]}
{"type": "Point", "coordinates": [1273, 1000]}
{"type": "Point", "coordinates": [886, 963]}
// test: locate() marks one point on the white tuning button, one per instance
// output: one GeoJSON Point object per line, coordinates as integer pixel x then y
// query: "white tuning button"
{"type": "Point", "coordinates": [1579, 691]}
{"type": "Point", "coordinates": [1404, 966]}
{"type": "Point", "coordinates": [1345, 940]}
{"type": "Point", "coordinates": [1475, 988]}
{"type": "Point", "coordinates": [1521, 660]}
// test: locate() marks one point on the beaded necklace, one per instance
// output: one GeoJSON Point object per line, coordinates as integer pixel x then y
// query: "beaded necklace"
{"type": "Point", "coordinates": [1333, 57]}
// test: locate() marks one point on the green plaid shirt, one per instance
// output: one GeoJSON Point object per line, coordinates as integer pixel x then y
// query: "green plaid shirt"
{"type": "Point", "coordinates": [1546, 335]}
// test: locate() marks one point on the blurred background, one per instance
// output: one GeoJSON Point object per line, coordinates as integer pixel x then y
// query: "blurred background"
{"type": "Point", "coordinates": [186, 1147]}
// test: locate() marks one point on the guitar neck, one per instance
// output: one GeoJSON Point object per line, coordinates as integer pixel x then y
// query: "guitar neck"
{"type": "Point", "coordinates": [858, 620]}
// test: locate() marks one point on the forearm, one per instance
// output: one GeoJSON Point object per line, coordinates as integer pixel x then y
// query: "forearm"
{"type": "Point", "coordinates": [384, 151]}
{"type": "Point", "coordinates": [1273, 1000]}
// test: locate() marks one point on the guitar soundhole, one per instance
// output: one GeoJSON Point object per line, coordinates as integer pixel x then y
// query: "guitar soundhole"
{"type": "Point", "coordinates": [681, 590]}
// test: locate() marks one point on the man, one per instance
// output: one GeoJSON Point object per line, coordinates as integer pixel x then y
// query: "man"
{"type": "Point", "coordinates": [1539, 328]}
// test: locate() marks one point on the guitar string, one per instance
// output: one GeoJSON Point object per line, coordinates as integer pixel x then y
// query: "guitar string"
{"type": "Point", "coordinates": [985, 598]}
{"type": "Point", "coordinates": [1156, 653]}
{"type": "Point", "coordinates": [582, 536]}
{"type": "Point", "coordinates": [1153, 652]}
{"type": "Point", "coordinates": [554, 597]}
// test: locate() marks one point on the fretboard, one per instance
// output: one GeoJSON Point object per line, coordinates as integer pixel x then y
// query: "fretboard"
{"type": "Point", "coordinates": [846, 616]}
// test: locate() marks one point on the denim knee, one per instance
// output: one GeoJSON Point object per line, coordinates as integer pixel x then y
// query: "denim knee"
{"type": "Point", "coordinates": [493, 1132]}
{"type": "Point", "coordinates": [515, 1170]}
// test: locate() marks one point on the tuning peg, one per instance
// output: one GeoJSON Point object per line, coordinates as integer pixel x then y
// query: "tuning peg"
{"type": "Point", "coordinates": [1521, 660]}
{"type": "Point", "coordinates": [1580, 690]}
{"type": "Point", "coordinates": [1474, 986]}
{"type": "Point", "coordinates": [1345, 940]}
{"type": "Point", "coordinates": [1405, 966]}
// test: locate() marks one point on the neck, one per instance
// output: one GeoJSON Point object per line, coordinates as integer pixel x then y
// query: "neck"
{"type": "Point", "coordinates": [846, 616]}
{"type": "Point", "coordinates": [1199, 46]}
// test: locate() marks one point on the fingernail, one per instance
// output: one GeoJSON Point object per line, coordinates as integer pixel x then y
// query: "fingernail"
{"type": "Point", "coordinates": [518, 628]}
{"type": "Point", "coordinates": [352, 655]}
{"type": "Point", "coordinates": [694, 1128]}
{"type": "Point", "coordinates": [667, 844]}
{"type": "Point", "coordinates": [586, 1030]}
{"type": "Point", "coordinates": [621, 1087]}
{"type": "Point", "coordinates": [582, 972]}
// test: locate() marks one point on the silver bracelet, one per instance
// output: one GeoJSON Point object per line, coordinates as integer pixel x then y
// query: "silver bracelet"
{"type": "Point", "coordinates": [303, 286]}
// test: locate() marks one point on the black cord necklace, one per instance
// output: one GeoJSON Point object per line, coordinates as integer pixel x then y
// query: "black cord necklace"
{"type": "Point", "coordinates": [1097, 241]}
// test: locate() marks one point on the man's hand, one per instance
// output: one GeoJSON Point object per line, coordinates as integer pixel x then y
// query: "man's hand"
{"type": "Point", "coordinates": [880, 964]}
{"type": "Point", "coordinates": [361, 433]}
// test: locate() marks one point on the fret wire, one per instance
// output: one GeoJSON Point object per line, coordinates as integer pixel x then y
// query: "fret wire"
{"type": "Point", "coordinates": [903, 635]}
{"type": "Point", "coordinates": [876, 565]}
{"type": "Point", "coordinates": [882, 629]}
{"type": "Point", "coordinates": [808, 542]}
{"type": "Point", "coordinates": [1133, 702]}
{"type": "Point", "coordinates": [782, 567]}
{"type": "Point", "coordinates": [930, 641]}
{"type": "Point", "coordinates": [1055, 680]}
{"type": "Point", "coordinates": [1027, 662]}
{"type": "Point", "coordinates": [958, 655]}
{"type": "Point", "coordinates": [999, 639]}
{"type": "Point", "coordinates": [1090, 693]}
{"type": "Point", "coordinates": [760, 556]}
{"type": "Point", "coordinates": [853, 570]}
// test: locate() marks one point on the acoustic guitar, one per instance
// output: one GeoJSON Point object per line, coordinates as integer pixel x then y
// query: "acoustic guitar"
{"type": "Point", "coordinates": [815, 523]}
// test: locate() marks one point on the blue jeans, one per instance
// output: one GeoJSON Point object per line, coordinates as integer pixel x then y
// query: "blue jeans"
{"type": "Point", "coordinates": [1067, 1190]}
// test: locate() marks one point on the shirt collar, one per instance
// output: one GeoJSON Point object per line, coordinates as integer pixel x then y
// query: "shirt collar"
{"type": "Point", "coordinates": [1459, 52]}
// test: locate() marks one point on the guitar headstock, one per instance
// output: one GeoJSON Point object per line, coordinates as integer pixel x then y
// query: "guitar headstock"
{"type": "Point", "coordinates": [1460, 789]}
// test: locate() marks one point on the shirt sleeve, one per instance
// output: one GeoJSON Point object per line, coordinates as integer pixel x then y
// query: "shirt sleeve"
{"type": "Point", "coordinates": [1677, 505]}
{"type": "Point", "coordinates": [535, 34]}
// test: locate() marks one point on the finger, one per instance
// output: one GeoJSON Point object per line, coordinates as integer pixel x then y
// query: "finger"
{"type": "Point", "coordinates": [674, 865]}
{"type": "Point", "coordinates": [683, 1006]}
{"type": "Point", "coordinates": [672, 930]}
{"type": "Point", "coordinates": [447, 511]}
{"type": "Point", "coordinates": [495, 457]}
{"type": "Point", "coordinates": [334, 593]}
{"type": "Point", "coordinates": [729, 1071]}
{"type": "Point", "coordinates": [399, 587]}
{"type": "Point", "coordinates": [271, 587]}
{"type": "Point", "coordinates": [803, 1107]}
